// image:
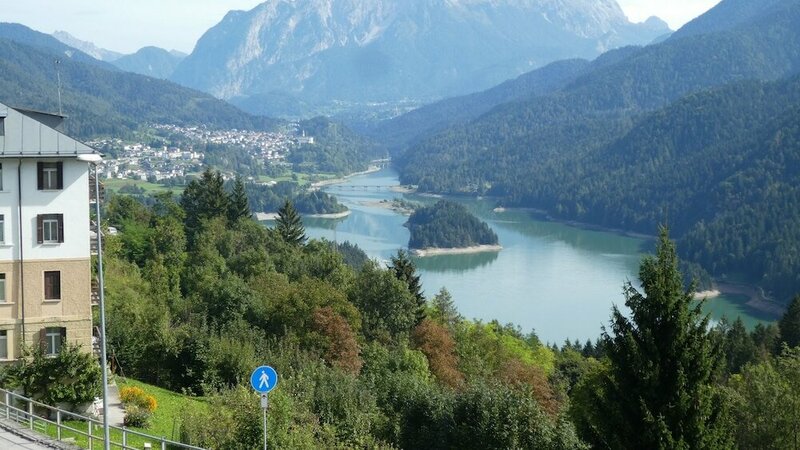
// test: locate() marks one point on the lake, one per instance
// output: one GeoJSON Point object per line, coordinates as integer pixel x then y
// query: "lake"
{"type": "Point", "coordinates": [557, 279]}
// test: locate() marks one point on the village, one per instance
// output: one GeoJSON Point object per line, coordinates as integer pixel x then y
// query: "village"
{"type": "Point", "coordinates": [143, 161]}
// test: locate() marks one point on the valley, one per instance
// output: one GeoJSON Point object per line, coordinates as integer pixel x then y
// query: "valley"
{"type": "Point", "coordinates": [445, 224]}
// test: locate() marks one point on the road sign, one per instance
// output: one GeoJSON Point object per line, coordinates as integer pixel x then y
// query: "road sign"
{"type": "Point", "coordinates": [264, 379]}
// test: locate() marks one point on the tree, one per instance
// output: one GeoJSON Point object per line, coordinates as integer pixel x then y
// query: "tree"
{"type": "Point", "coordinates": [289, 225]}
{"type": "Point", "coordinates": [658, 392]}
{"type": "Point", "coordinates": [405, 271]}
{"type": "Point", "coordinates": [203, 199]}
{"type": "Point", "coordinates": [443, 309]}
{"type": "Point", "coordinates": [436, 342]}
{"type": "Point", "coordinates": [386, 306]}
{"type": "Point", "coordinates": [789, 324]}
{"type": "Point", "coordinates": [767, 399]}
{"type": "Point", "coordinates": [238, 204]}
{"type": "Point", "coordinates": [71, 376]}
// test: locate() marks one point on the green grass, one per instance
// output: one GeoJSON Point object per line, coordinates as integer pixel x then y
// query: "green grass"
{"type": "Point", "coordinates": [116, 184]}
{"type": "Point", "coordinates": [165, 422]}
{"type": "Point", "coordinates": [301, 178]}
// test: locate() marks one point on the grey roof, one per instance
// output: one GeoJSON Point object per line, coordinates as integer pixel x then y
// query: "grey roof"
{"type": "Point", "coordinates": [26, 133]}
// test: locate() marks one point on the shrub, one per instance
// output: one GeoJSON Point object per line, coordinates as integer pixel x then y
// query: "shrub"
{"type": "Point", "coordinates": [72, 376]}
{"type": "Point", "coordinates": [135, 397]}
{"type": "Point", "coordinates": [138, 417]}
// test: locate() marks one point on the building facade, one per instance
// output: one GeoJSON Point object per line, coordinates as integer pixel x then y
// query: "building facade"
{"type": "Point", "coordinates": [45, 254]}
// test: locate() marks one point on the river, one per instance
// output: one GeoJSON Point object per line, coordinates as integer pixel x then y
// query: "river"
{"type": "Point", "coordinates": [557, 279]}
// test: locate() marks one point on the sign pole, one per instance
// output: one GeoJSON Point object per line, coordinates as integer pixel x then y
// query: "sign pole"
{"type": "Point", "coordinates": [264, 404]}
{"type": "Point", "coordinates": [263, 380]}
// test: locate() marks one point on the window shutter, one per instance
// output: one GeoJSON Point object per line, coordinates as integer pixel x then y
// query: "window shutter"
{"type": "Point", "coordinates": [60, 176]}
{"type": "Point", "coordinates": [63, 331]}
{"type": "Point", "coordinates": [40, 175]}
{"type": "Point", "coordinates": [43, 339]}
{"type": "Point", "coordinates": [60, 218]}
{"type": "Point", "coordinates": [40, 227]}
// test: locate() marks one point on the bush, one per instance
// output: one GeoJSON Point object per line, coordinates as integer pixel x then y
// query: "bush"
{"type": "Point", "coordinates": [134, 397]}
{"type": "Point", "coordinates": [136, 416]}
{"type": "Point", "coordinates": [72, 376]}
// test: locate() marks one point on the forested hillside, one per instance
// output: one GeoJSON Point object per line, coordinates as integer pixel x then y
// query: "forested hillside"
{"type": "Point", "coordinates": [107, 101]}
{"type": "Point", "coordinates": [199, 294]}
{"type": "Point", "coordinates": [606, 150]}
{"type": "Point", "coordinates": [336, 149]}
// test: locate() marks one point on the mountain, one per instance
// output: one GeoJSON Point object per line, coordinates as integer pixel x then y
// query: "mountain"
{"type": "Point", "coordinates": [426, 120]}
{"type": "Point", "coordinates": [726, 15]}
{"type": "Point", "coordinates": [61, 52]}
{"type": "Point", "coordinates": [359, 51]}
{"type": "Point", "coordinates": [151, 61]}
{"type": "Point", "coordinates": [105, 101]}
{"type": "Point", "coordinates": [87, 47]}
{"type": "Point", "coordinates": [570, 152]}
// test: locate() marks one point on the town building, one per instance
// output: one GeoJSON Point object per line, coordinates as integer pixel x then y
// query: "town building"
{"type": "Point", "coordinates": [45, 254]}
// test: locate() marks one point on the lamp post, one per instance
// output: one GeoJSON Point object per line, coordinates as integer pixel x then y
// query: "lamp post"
{"type": "Point", "coordinates": [95, 159]}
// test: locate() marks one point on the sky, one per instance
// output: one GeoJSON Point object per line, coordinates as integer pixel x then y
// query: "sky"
{"type": "Point", "coordinates": [127, 25]}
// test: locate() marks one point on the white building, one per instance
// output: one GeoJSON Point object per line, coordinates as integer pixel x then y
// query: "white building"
{"type": "Point", "coordinates": [45, 255]}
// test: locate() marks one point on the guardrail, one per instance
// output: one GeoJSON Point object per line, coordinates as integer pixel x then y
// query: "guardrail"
{"type": "Point", "coordinates": [36, 416]}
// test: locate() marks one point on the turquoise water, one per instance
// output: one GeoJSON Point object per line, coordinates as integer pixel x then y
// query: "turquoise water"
{"type": "Point", "coordinates": [556, 279]}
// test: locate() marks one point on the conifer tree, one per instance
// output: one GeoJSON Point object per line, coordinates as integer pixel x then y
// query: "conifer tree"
{"type": "Point", "coordinates": [405, 271]}
{"type": "Point", "coordinates": [657, 392]}
{"type": "Point", "coordinates": [238, 204]}
{"type": "Point", "coordinates": [289, 225]}
{"type": "Point", "coordinates": [789, 324]}
{"type": "Point", "coordinates": [204, 199]}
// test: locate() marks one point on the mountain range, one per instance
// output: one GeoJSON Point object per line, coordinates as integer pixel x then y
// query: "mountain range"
{"type": "Point", "coordinates": [674, 132]}
{"type": "Point", "coordinates": [100, 98]}
{"type": "Point", "coordinates": [151, 61]}
{"type": "Point", "coordinates": [365, 51]}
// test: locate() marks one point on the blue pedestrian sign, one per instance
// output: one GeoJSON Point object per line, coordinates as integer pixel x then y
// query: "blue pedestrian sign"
{"type": "Point", "coordinates": [264, 379]}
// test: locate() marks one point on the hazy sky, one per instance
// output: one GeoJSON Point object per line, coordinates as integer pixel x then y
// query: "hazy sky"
{"type": "Point", "coordinates": [127, 25]}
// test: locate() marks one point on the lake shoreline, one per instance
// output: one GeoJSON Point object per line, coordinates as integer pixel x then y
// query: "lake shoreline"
{"type": "Point", "coordinates": [344, 179]}
{"type": "Point", "coordinates": [757, 299]}
{"type": "Point", "coordinates": [544, 215]}
{"type": "Point", "coordinates": [435, 251]}
{"type": "Point", "coordinates": [262, 216]}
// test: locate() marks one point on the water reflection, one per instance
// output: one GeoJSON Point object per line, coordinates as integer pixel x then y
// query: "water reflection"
{"type": "Point", "coordinates": [559, 279]}
{"type": "Point", "coordinates": [455, 263]}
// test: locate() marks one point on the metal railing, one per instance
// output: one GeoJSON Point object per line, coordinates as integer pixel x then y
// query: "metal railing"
{"type": "Point", "coordinates": [36, 416]}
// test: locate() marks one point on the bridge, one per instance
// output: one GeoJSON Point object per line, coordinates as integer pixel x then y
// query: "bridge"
{"type": "Point", "coordinates": [357, 187]}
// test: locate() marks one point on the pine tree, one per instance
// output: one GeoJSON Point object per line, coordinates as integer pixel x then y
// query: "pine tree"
{"type": "Point", "coordinates": [657, 392]}
{"type": "Point", "coordinates": [443, 309]}
{"type": "Point", "coordinates": [789, 324]}
{"type": "Point", "coordinates": [203, 199]}
{"type": "Point", "coordinates": [405, 271]}
{"type": "Point", "coordinates": [238, 204]}
{"type": "Point", "coordinates": [289, 225]}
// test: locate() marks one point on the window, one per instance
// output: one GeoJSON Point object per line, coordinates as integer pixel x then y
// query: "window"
{"type": "Point", "coordinates": [1, 176]}
{"type": "Point", "coordinates": [50, 228]}
{"type": "Point", "coordinates": [2, 228]}
{"type": "Point", "coordinates": [52, 285]}
{"type": "Point", "coordinates": [3, 344]}
{"type": "Point", "coordinates": [53, 338]}
{"type": "Point", "coordinates": [50, 175]}
{"type": "Point", "coordinates": [2, 288]}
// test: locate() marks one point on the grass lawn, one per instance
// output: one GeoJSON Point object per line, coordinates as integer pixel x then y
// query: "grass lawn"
{"type": "Point", "coordinates": [115, 184]}
{"type": "Point", "coordinates": [165, 422]}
